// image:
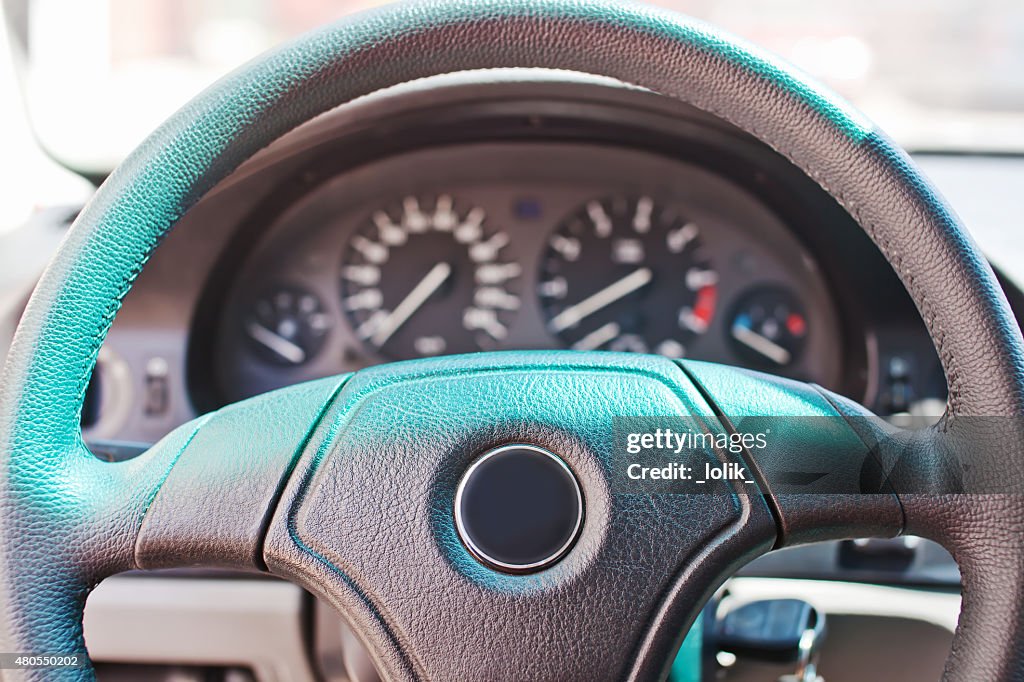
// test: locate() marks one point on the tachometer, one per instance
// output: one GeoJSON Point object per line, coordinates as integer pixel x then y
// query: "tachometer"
{"type": "Point", "coordinates": [627, 274]}
{"type": "Point", "coordinates": [427, 278]}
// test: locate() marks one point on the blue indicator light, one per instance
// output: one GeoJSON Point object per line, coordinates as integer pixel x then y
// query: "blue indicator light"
{"type": "Point", "coordinates": [527, 209]}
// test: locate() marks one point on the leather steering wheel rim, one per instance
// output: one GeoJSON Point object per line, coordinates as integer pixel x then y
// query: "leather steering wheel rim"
{"type": "Point", "coordinates": [65, 520]}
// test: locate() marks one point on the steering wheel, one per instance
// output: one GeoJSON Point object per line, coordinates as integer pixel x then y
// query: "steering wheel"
{"type": "Point", "coordinates": [348, 486]}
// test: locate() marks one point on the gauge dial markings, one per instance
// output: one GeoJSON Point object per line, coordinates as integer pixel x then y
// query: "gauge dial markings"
{"type": "Point", "coordinates": [769, 326]}
{"type": "Point", "coordinates": [461, 304]}
{"type": "Point", "coordinates": [642, 216]}
{"type": "Point", "coordinates": [287, 325]}
{"type": "Point", "coordinates": [602, 221]}
{"type": "Point", "coordinates": [678, 239]}
{"type": "Point", "coordinates": [656, 262]}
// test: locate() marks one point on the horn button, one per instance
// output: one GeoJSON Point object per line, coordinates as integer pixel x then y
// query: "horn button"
{"type": "Point", "coordinates": [518, 508]}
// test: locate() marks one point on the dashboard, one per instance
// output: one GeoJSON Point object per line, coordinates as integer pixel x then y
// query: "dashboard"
{"type": "Point", "coordinates": [497, 246]}
{"type": "Point", "coordinates": [507, 210]}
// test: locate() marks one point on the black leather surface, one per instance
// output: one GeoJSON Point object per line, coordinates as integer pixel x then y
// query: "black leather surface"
{"type": "Point", "coordinates": [214, 507]}
{"type": "Point", "coordinates": [367, 521]}
{"type": "Point", "coordinates": [807, 435]}
{"type": "Point", "coordinates": [57, 542]}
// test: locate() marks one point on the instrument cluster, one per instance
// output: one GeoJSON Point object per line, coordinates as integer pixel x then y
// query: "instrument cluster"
{"type": "Point", "coordinates": [522, 246]}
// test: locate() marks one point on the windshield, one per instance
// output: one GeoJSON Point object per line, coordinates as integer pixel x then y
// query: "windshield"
{"type": "Point", "coordinates": [936, 74]}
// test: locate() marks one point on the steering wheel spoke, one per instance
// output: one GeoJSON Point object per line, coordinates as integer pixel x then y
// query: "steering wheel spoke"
{"type": "Point", "coordinates": [819, 465]}
{"type": "Point", "coordinates": [228, 469]}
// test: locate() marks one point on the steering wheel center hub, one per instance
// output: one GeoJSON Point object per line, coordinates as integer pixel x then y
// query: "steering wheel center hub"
{"type": "Point", "coordinates": [519, 508]}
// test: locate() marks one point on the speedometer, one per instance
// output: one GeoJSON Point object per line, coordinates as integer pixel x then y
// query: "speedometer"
{"type": "Point", "coordinates": [426, 277]}
{"type": "Point", "coordinates": [627, 274]}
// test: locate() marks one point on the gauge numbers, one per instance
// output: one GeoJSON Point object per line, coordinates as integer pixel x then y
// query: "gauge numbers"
{"type": "Point", "coordinates": [627, 274]}
{"type": "Point", "coordinates": [427, 277]}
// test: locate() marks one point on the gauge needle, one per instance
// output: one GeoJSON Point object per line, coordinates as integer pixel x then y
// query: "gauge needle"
{"type": "Point", "coordinates": [760, 344]}
{"type": "Point", "coordinates": [598, 337]}
{"type": "Point", "coordinates": [411, 303]}
{"type": "Point", "coordinates": [288, 350]}
{"type": "Point", "coordinates": [574, 314]}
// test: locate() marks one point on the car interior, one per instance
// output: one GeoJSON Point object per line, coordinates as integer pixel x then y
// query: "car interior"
{"type": "Point", "coordinates": [514, 340]}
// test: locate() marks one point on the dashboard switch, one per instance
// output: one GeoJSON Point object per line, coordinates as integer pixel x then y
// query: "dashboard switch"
{"type": "Point", "coordinates": [156, 395]}
{"type": "Point", "coordinates": [898, 385]}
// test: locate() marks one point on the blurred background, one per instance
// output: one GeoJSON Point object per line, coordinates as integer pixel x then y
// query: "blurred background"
{"type": "Point", "coordinates": [86, 80]}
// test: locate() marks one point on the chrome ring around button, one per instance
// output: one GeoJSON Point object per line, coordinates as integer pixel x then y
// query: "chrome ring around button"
{"type": "Point", "coordinates": [519, 508]}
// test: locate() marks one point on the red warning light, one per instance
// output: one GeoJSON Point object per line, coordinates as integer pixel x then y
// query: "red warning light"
{"type": "Point", "coordinates": [796, 324]}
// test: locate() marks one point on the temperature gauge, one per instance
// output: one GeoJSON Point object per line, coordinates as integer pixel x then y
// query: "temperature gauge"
{"type": "Point", "coordinates": [769, 328]}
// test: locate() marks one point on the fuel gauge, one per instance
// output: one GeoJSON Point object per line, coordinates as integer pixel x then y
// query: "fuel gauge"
{"type": "Point", "coordinates": [769, 328]}
{"type": "Point", "coordinates": [287, 326]}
